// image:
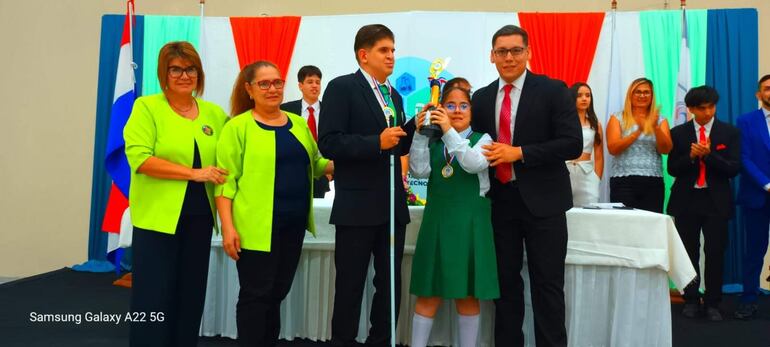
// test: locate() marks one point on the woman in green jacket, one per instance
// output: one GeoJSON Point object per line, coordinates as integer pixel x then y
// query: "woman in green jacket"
{"type": "Point", "coordinates": [266, 204]}
{"type": "Point", "coordinates": [171, 147]}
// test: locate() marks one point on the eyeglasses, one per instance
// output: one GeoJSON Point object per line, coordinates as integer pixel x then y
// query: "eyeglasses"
{"type": "Point", "coordinates": [515, 51]}
{"type": "Point", "coordinates": [452, 107]}
{"type": "Point", "coordinates": [642, 92]}
{"type": "Point", "coordinates": [177, 71]}
{"type": "Point", "coordinates": [265, 84]}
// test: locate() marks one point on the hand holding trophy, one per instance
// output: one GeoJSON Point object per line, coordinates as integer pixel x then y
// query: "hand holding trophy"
{"type": "Point", "coordinates": [436, 67]}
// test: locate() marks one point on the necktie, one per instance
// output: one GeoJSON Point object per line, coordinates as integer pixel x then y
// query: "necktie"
{"type": "Point", "coordinates": [388, 101]}
{"type": "Point", "coordinates": [311, 122]}
{"type": "Point", "coordinates": [503, 172]}
{"type": "Point", "coordinates": [702, 172]}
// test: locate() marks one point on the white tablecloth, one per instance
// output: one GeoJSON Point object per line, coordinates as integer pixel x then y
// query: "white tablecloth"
{"type": "Point", "coordinates": [616, 284]}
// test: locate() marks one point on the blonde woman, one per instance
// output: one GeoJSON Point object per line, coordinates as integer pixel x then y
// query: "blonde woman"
{"type": "Point", "coordinates": [637, 137]}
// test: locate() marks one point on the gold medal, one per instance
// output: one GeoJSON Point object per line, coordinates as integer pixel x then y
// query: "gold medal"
{"type": "Point", "coordinates": [447, 171]}
{"type": "Point", "coordinates": [388, 111]}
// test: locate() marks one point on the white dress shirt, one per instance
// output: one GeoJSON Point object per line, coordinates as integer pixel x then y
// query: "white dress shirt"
{"type": "Point", "coordinates": [515, 94]}
{"type": "Point", "coordinates": [470, 158]}
{"type": "Point", "coordinates": [767, 120]}
{"type": "Point", "coordinates": [316, 110]}
{"type": "Point", "coordinates": [697, 137]}
{"type": "Point", "coordinates": [374, 84]}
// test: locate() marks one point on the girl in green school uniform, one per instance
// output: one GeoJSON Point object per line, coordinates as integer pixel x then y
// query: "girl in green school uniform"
{"type": "Point", "coordinates": [455, 253]}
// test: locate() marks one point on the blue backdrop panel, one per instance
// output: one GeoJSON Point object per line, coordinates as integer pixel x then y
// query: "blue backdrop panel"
{"type": "Point", "coordinates": [732, 58]}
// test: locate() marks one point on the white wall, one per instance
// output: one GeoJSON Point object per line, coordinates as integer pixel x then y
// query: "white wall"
{"type": "Point", "coordinates": [49, 57]}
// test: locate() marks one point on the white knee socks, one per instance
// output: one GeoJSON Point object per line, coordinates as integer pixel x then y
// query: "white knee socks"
{"type": "Point", "coordinates": [469, 330]}
{"type": "Point", "coordinates": [421, 327]}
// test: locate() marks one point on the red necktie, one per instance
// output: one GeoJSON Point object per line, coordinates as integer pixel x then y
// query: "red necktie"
{"type": "Point", "coordinates": [311, 122]}
{"type": "Point", "coordinates": [503, 171]}
{"type": "Point", "coordinates": [702, 172]}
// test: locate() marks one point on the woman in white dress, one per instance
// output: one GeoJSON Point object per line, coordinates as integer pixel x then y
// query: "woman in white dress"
{"type": "Point", "coordinates": [585, 171]}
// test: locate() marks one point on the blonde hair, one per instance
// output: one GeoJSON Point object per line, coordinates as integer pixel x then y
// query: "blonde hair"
{"type": "Point", "coordinates": [653, 110]}
{"type": "Point", "coordinates": [185, 51]}
{"type": "Point", "coordinates": [240, 101]}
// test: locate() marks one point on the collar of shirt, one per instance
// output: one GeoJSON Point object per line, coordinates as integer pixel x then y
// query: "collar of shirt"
{"type": "Point", "coordinates": [766, 112]}
{"type": "Point", "coordinates": [518, 83]}
{"type": "Point", "coordinates": [316, 107]}
{"type": "Point", "coordinates": [465, 133]}
{"type": "Point", "coordinates": [375, 88]}
{"type": "Point", "coordinates": [373, 82]}
{"type": "Point", "coordinates": [707, 126]}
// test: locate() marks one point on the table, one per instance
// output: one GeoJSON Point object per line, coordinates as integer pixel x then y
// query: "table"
{"type": "Point", "coordinates": [616, 284]}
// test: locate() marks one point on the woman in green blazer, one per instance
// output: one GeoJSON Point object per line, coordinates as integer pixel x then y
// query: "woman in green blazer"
{"type": "Point", "coordinates": [266, 204]}
{"type": "Point", "coordinates": [171, 147]}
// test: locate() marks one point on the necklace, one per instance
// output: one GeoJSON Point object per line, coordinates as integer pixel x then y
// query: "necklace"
{"type": "Point", "coordinates": [181, 110]}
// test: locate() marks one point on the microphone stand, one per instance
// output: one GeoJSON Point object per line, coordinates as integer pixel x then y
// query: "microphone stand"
{"type": "Point", "coordinates": [392, 244]}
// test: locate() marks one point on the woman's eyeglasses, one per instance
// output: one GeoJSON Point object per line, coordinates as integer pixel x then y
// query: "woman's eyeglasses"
{"type": "Point", "coordinates": [177, 71]}
{"type": "Point", "coordinates": [452, 107]}
{"type": "Point", "coordinates": [265, 84]}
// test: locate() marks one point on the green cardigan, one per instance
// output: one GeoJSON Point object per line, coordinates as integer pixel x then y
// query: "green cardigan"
{"type": "Point", "coordinates": [248, 152]}
{"type": "Point", "coordinates": [154, 129]}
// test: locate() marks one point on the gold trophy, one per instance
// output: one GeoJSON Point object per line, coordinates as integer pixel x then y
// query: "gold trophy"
{"type": "Point", "coordinates": [436, 68]}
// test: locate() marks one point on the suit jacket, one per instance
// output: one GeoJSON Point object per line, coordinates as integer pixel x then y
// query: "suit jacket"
{"type": "Point", "coordinates": [321, 184]}
{"type": "Point", "coordinates": [548, 130]}
{"type": "Point", "coordinates": [351, 121]}
{"type": "Point", "coordinates": [755, 157]}
{"type": "Point", "coordinates": [722, 164]}
{"type": "Point", "coordinates": [293, 107]}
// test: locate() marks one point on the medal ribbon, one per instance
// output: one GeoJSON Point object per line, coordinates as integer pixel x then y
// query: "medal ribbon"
{"type": "Point", "coordinates": [381, 97]}
{"type": "Point", "coordinates": [449, 158]}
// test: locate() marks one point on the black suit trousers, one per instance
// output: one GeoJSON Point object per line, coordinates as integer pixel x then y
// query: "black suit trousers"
{"type": "Point", "coordinates": [642, 192]}
{"type": "Point", "coordinates": [169, 278]}
{"type": "Point", "coordinates": [702, 215]}
{"type": "Point", "coordinates": [354, 247]}
{"type": "Point", "coordinates": [265, 279]}
{"type": "Point", "coordinates": [545, 240]}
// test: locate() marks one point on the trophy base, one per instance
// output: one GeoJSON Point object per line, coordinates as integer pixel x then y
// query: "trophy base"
{"type": "Point", "coordinates": [431, 131]}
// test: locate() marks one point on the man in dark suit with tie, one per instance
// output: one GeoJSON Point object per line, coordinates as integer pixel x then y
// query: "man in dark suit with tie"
{"type": "Point", "coordinates": [356, 134]}
{"type": "Point", "coordinates": [536, 127]}
{"type": "Point", "coordinates": [309, 107]}
{"type": "Point", "coordinates": [754, 195]}
{"type": "Point", "coordinates": [705, 156]}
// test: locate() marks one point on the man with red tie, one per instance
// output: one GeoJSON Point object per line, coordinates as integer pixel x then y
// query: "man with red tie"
{"type": "Point", "coordinates": [706, 154]}
{"type": "Point", "coordinates": [309, 81]}
{"type": "Point", "coordinates": [535, 124]}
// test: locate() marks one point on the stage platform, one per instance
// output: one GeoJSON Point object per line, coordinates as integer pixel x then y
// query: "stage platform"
{"type": "Point", "coordinates": [67, 291]}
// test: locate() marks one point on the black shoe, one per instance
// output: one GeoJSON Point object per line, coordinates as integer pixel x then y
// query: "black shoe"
{"type": "Point", "coordinates": [690, 310]}
{"type": "Point", "coordinates": [713, 314]}
{"type": "Point", "coordinates": [746, 311]}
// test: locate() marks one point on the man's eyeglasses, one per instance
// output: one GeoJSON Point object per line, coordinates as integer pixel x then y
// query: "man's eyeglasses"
{"type": "Point", "coordinates": [265, 84]}
{"type": "Point", "coordinates": [642, 92]}
{"type": "Point", "coordinates": [452, 107]}
{"type": "Point", "coordinates": [177, 71]}
{"type": "Point", "coordinates": [515, 51]}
